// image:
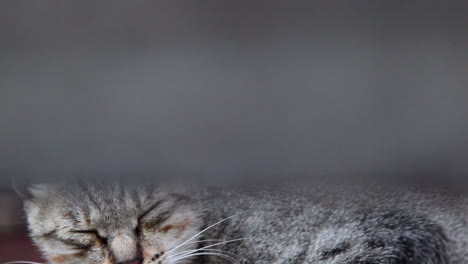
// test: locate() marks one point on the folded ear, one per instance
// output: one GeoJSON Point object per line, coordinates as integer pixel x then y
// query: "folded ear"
{"type": "Point", "coordinates": [22, 189]}
{"type": "Point", "coordinates": [29, 191]}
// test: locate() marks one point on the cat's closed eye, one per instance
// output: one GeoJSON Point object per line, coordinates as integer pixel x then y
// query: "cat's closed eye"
{"type": "Point", "coordinates": [92, 232]}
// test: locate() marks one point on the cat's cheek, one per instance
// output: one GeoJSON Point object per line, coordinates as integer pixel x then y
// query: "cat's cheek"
{"type": "Point", "coordinates": [62, 259]}
{"type": "Point", "coordinates": [177, 230]}
{"type": "Point", "coordinates": [151, 245]}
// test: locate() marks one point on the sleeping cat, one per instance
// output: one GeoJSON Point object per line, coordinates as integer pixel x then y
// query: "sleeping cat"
{"type": "Point", "coordinates": [117, 224]}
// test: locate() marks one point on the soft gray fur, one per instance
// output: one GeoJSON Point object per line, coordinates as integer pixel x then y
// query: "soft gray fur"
{"type": "Point", "coordinates": [117, 224]}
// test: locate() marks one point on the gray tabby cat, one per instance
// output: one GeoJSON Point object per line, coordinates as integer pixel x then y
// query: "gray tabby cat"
{"type": "Point", "coordinates": [81, 224]}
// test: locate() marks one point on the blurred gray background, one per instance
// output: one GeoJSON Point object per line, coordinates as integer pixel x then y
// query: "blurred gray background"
{"type": "Point", "coordinates": [234, 91]}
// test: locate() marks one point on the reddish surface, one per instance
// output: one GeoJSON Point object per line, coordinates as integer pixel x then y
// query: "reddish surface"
{"type": "Point", "coordinates": [17, 247]}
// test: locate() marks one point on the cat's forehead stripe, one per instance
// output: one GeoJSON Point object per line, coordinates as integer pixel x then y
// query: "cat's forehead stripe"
{"type": "Point", "coordinates": [112, 207]}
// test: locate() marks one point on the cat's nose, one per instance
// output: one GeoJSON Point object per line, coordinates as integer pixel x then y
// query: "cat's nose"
{"type": "Point", "coordinates": [124, 249]}
{"type": "Point", "coordinates": [135, 261]}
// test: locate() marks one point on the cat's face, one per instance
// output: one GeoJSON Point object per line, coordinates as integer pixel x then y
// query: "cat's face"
{"type": "Point", "coordinates": [110, 224]}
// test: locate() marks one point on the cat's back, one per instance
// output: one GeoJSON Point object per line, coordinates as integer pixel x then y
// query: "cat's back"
{"type": "Point", "coordinates": [338, 225]}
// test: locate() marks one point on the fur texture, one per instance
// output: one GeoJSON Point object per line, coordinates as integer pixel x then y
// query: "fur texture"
{"type": "Point", "coordinates": [117, 224]}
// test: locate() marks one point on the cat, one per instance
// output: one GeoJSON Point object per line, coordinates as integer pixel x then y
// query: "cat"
{"type": "Point", "coordinates": [132, 224]}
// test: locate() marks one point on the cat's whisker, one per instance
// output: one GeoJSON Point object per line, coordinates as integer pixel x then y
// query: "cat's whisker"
{"type": "Point", "coordinates": [216, 244]}
{"type": "Point", "coordinates": [198, 241]}
{"type": "Point", "coordinates": [201, 232]}
{"type": "Point", "coordinates": [21, 262]}
{"type": "Point", "coordinates": [188, 252]}
{"type": "Point", "coordinates": [208, 254]}
{"type": "Point", "coordinates": [205, 240]}
{"type": "Point", "coordinates": [191, 250]}
{"type": "Point", "coordinates": [221, 252]}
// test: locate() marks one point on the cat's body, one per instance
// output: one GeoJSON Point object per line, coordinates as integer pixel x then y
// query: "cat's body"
{"type": "Point", "coordinates": [343, 227]}
{"type": "Point", "coordinates": [83, 224]}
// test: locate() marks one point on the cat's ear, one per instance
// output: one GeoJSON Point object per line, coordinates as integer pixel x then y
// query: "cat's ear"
{"type": "Point", "coordinates": [29, 191]}
{"type": "Point", "coordinates": [22, 189]}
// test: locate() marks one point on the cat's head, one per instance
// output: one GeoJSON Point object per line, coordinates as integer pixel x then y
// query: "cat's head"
{"type": "Point", "coordinates": [110, 224]}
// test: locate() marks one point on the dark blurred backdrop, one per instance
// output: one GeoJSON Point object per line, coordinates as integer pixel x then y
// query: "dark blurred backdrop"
{"type": "Point", "coordinates": [228, 91]}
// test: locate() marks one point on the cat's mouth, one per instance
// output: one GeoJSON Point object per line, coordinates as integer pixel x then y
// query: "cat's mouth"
{"type": "Point", "coordinates": [135, 261]}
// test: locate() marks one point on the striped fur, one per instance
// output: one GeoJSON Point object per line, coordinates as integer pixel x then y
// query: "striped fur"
{"type": "Point", "coordinates": [114, 224]}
